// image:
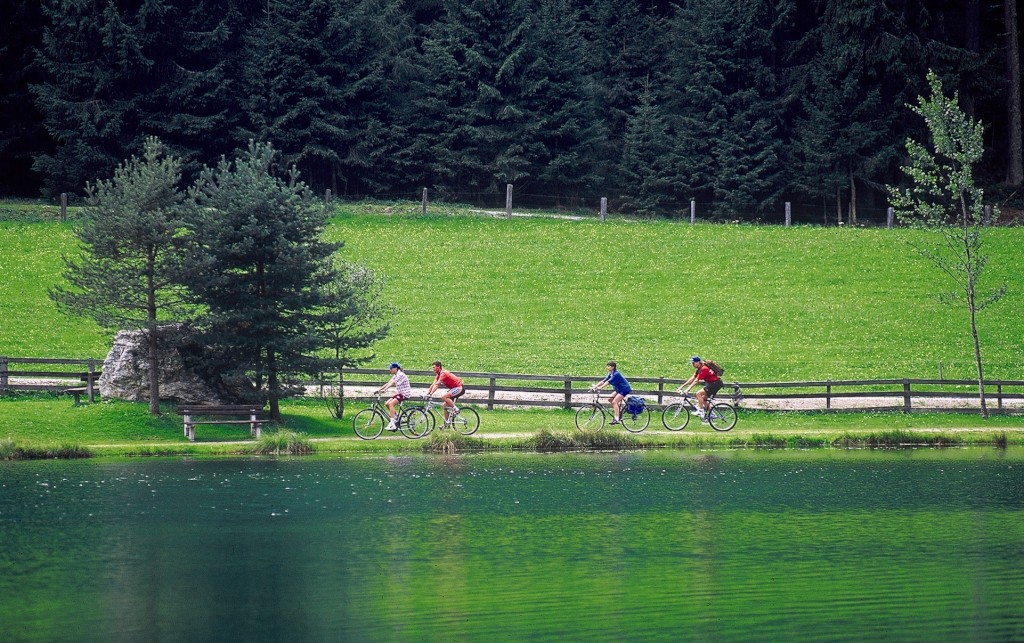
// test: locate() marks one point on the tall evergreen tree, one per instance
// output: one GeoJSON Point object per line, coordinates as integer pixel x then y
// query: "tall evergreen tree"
{"type": "Point", "coordinates": [260, 265]}
{"type": "Point", "coordinates": [21, 132]}
{"type": "Point", "coordinates": [128, 274]}
{"type": "Point", "coordinates": [646, 159]}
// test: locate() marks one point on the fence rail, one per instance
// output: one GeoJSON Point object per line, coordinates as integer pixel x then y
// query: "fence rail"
{"type": "Point", "coordinates": [565, 391]}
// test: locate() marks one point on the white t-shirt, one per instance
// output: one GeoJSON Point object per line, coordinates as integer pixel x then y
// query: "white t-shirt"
{"type": "Point", "coordinates": [401, 382]}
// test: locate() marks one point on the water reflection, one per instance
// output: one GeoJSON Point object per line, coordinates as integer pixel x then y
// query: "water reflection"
{"type": "Point", "coordinates": [641, 545]}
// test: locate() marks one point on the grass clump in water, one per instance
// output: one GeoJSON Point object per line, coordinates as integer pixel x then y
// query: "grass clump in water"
{"type": "Point", "coordinates": [549, 441]}
{"type": "Point", "coordinates": [9, 450]}
{"type": "Point", "coordinates": [282, 443]}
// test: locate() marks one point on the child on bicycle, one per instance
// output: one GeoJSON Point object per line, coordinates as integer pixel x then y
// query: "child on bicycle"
{"type": "Point", "coordinates": [712, 384]}
{"type": "Point", "coordinates": [403, 390]}
{"type": "Point", "coordinates": [453, 384]}
{"type": "Point", "coordinates": [619, 384]}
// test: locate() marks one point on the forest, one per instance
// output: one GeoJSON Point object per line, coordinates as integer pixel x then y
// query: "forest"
{"type": "Point", "coordinates": [737, 105]}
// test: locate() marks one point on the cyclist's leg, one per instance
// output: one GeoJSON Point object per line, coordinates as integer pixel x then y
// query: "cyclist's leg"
{"type": "Point", "coordinates": [617, 406]}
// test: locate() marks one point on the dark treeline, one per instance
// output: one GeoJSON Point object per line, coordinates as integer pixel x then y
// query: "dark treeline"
{"type": "Point", "coordinates": [739, 104]}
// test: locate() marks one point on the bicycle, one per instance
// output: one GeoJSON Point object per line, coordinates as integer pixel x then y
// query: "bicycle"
{"type": "Point", "coordinates": [591, 416]}
{"type": "Point", "coordinates": [721, 415]}
{"type": "Point", "coordinates": [369, 423]}
{"type": "Point", "coordinates": [463, 419]}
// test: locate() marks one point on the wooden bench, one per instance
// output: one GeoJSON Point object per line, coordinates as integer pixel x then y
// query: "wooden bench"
{"type": "Point", "coordinates": [217, 414]}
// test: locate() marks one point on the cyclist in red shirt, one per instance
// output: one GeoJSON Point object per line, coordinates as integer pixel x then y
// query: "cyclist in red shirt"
{"type": "Point", "coordinates": [712, 384]}
{"type": "Point", "coordinates": [453, 384]}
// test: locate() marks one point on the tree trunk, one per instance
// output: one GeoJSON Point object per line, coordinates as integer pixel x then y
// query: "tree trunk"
{"type": "Point", "coordinates": [1015, 159]}
{"type": "Point", "coordinates": [153, 336]}
{"type": "Point", "coordinates": [273, 393]}
{"type": "Point", "coordinates": [853, 200]}
{"type": "Point", "coordinates": [839, 206]}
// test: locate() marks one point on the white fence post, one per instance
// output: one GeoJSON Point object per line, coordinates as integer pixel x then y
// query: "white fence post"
{"type": "Point", "coordinates": [693, 211]}
{"type": "Point", "coordinates": [604, 208]}
{"type": "Point", "coordinates": [508, 201]}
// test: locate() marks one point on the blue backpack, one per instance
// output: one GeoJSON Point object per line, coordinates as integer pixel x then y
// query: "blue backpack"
{"type": "Point", "coordinates": [635, 404]}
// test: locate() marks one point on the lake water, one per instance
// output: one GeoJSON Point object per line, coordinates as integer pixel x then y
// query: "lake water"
{"type": "Point", "coordinates": [817, 545]}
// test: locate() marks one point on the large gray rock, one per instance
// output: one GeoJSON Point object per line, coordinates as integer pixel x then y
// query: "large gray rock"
{"type": "Point", "coordinates": [126, 371]}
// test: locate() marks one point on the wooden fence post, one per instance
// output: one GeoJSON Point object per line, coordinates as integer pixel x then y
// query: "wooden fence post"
{"type": "Point", "coordinates": [490, 394]}
{"type": "Point", "coordinates": [568, 392]}
{"type": "Point", "coordinates": [508, 201]}
{"type": "Point", "coordinates": [661, 389]}
{"type": "Point", "coordinates": [999, 396]}
{"type": "Point", "coordinates": [327, 199]}
{"type": "Point", "coordinates": [693, 211]}
{"type": "Point", "coordinates": [906, 395]}
{"type": "Point", "coordinates": [828, 396]}
{"type": "Point", "coordinates": [3, 373]}
{"type": "Point", "coordinates": [890, 217]}
{"type": "Point", "coordinates": [424, 204]}
{"type": "Point", "coordinates": [89, 389]}
{"type": "Point", "coordinates": [63, 206]}
{"type": "Point", "coordinates": [789, 214]}
{"type": "Point", "coordinates": [604, 208]}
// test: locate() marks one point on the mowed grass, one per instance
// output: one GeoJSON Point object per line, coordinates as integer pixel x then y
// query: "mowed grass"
{"type": "Point", "coordinates": [556, 296]}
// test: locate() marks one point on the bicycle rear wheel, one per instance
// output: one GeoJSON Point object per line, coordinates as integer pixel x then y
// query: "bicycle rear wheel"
{"type": "Point", "coordinates": [467, 421]}
{"type": "Point", "coordinates": [590, 418]}
{"type": "Point", "coordinates": [415, 423]}
{"type": "Point", "coordinates": [675, 417]}
{"type": "Point", "coordinates": [368, 424]}
{"type": "Point", "coordinates": [722, 416]}
{"type": "Point", "coordinates": [636, 422]}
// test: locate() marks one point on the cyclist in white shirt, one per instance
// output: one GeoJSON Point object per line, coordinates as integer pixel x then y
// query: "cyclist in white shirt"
{"type": "Point", "coordinates": [403, 390]}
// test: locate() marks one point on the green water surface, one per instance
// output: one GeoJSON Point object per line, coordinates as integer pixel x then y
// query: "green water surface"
{"type": "Point", "coordinates": [655, 545]}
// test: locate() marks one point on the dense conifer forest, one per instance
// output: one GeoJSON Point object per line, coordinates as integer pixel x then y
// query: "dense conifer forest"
{"type": "Point", "coordinates": [740, 106]}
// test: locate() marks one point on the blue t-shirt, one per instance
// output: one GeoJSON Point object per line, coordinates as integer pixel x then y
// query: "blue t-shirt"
{"type": "Point", "coordinates": [618, 382]}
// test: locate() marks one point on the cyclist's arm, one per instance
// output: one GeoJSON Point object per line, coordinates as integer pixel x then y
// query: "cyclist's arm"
{"type": "Point", "coordinates": [688, 384]}
{"type": "Point", "coordinates": [384, 387]}
{"type": "Point", "coordinates": [600, 385]}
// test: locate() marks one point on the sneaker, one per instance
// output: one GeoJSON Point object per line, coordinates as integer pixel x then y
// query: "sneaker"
{"type": "Point", "coordinates": [615, 421]}
{"type": "Point", "coordinates": [392, 426]}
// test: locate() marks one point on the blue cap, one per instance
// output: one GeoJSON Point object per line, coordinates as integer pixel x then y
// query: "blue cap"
{"type": "Point", "coordinates": [696, 359]}
{"type": "Point", "coordinates": [394, 365]}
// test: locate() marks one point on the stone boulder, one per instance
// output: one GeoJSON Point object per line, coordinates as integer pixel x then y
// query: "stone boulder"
{"type": "Point", "coordinates": [126, 370]}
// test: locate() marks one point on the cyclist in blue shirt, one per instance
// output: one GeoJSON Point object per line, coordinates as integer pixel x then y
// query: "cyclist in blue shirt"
{"type": "Point", "coordinates": [619, 385]}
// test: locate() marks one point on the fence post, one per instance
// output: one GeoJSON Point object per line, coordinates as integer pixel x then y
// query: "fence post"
{"type": "Point", "coordinates": [604, 208]}
{"type": "Point", "coordinates": [89, 384]}
{"type": "Point", "coordinates": [568, 392]}
{"type": "Point", "coordinates": [327, 199]}
{"type": "Point", "coordinates": [906, 395]}
{"type": "Point", "coordinates": [3, 373]}
{"type": "Point", "coordinates": [63, 206]}
{"type": "Point", "coordinates": [999, 396]}
{"type": "Point", "coordinates": [508, 201]}
{"type": "Point", "coordinates": [789, 214]}
{"type": "Point", "coordinates": [490, 394]}
{"type": "Point", "coordinates": [424, 205]}
{"type": "Point", "coordinates": [661, 388]}
{"type": "Point", "coordinates": [890, 217]}
{"type": "Point", "coordinates": [828, 396]}
{"type": "Point", "coordinates": [693, 211]}
{"type": "Point", "coordinates": [987, 220]}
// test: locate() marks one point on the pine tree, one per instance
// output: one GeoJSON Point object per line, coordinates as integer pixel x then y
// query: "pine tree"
{"type": "Point", "coordinates": [259, 265]}
{"type": "Point", "coordinates": [646, 154]}
{"type": "Point", "coordinates": [128, 274]}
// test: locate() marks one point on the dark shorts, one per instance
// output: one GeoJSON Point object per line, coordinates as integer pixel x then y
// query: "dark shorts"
{"type": "Point", "coordinates": [456, 392]}
{"type": "Point", "coordinates": [713, 387]}
{"type": "Point", "coordinates": [398, 397]}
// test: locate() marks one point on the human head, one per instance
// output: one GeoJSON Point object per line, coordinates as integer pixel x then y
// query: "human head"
{"type": "Point", "coordinates": [612, 365]}
{"type": "Point", "coordinates": [436, 366]}
{"type": "Point", "coordinates": [395, 367]}
{"type": "Point", "coordinates": [696, 361]}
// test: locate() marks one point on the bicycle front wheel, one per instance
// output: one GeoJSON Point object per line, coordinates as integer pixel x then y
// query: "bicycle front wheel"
{"type": "Point", "coordinates": [590, 418]}
{"type": "Point", "coordinates": [675, 417]}
{"type": "Point", "coordinates": [722, 416]}
{"type": "Point", "coordinates": [415, 423]}
{"type": "Point", "coordinates": [368, 424]}
{"type": "Point", "coordinates": [636, 422]}
{"type": "Point", "coordinates": [467, 421]}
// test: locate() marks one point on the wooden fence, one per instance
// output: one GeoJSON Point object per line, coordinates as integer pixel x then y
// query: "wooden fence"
{"type": "Point", "coordinates": [493, 390]}
{"type": "Point", "coordinates": [61, 376]}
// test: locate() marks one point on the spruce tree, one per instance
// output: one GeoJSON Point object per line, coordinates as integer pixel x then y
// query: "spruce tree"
{"type": "Point", "coordinates": [259, 265]}
{"type": "Point", "coordinates": [127, 276]}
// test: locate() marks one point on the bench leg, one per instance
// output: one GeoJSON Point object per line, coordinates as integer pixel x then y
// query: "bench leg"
{"type": "Point", "coordinates": [190, 429]}
{"type": "Point", "coordinates": [78, 398]}
{"type": "Point", "coordinates": [254, 427]}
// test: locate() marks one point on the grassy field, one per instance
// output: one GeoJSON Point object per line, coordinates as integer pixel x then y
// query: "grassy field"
{"type": "Point", "coordinates": [555, 296]}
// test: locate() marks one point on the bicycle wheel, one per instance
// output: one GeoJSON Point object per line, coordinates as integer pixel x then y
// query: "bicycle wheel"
{"type": "Point", "coordinates": [414, 423]}
{"type": "Point", "coordinates": [636, 422]}
{"type": "Point", "coordinates": [675, 417]}
{"type": "Point", "coordinates": [590, 418]}
{"type": "Point", "coordinates": [467, 421]}
{"type": "Point", "coordinates": [368, 424]}
{"type": "Point", "coordinates": [722, 416]}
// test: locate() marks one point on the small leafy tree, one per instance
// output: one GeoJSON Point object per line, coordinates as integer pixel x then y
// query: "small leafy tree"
{"type": "Point", "coordinates": [127, 274]}
{"type": "Point", "coordinates": [944, 200]}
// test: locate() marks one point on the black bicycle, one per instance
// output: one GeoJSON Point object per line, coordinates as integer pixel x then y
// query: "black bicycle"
{"type": "Point", "coordinates": [721, 415]}
{"type": "Point", "coordinates": [591, 416]}
{"type": "Point", "coordinates": [369, 423]}
{"type": "Point", "coordinates": [421, 420]}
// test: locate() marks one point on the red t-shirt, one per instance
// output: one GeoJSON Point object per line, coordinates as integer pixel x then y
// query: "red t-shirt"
{"type": "Point", "coordinates": [705, 374]}
{"type": "Point", "coordinates": [449, 379]}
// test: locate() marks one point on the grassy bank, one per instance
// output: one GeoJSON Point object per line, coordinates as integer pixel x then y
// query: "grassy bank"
{"type": "Point", "coordinates": [562, 297]}
{"type": "Point", "coordinates": [46, 426]}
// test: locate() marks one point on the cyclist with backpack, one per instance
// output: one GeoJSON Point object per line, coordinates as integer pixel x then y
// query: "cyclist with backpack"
{"type": "Point", "coordinates": [706, 372]}
{"type": "Point", "coordinates": [619, 384]}
{"type": "Point", "coordinates": [453, 384]}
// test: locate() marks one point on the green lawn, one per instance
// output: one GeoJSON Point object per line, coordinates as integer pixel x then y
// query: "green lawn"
{"type": "Point", "coordinates": [557, 296]}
